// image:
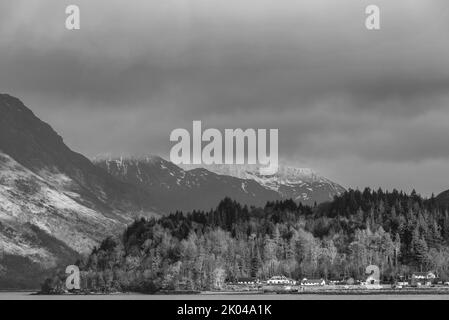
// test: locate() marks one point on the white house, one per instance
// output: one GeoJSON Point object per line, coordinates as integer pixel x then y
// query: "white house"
{"type": "Point", "coordinates": [281, 280]}
{"type": "Point", "coordinates": [422, 278]}
{"type": "Point", "coordinates": [313, 282]}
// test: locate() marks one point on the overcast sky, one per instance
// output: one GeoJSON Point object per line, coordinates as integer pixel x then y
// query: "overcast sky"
{"type": "Point", "coordinates": [364, 108]}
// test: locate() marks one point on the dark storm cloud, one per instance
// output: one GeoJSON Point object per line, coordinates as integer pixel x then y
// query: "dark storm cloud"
{"type": "Point", "coordinates": [134, 72]}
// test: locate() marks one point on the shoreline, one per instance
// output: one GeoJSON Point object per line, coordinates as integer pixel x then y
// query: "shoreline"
{"type": "Point", "coordinates": [233, 296]}
{"type": "Point", "coordinates": [327, 292]}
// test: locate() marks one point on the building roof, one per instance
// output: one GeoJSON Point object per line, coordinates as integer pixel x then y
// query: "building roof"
{"type": "Point", "coordinates": [423, 274]}
{"type": "Point", "coordinates": [312, 280]}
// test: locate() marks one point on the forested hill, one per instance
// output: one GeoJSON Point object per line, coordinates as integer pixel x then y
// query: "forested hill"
{"type": "Point", "coordinates": [201, 250]}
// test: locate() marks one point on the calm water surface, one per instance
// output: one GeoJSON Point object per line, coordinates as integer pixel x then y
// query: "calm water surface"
{"type": "Point", "coordinates": [29, 296]}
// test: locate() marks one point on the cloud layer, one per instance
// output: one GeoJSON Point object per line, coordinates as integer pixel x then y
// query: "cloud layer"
{"type": "Point", "coordinates": [365, 108]}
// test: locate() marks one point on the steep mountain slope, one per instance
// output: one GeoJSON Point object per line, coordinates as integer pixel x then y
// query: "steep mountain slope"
{"type": "Point", "coordinates": [54, 203]}
{"type": "Point", "coordinates": [301, 184]}
{"type": "Point", "coordinates": [173, 188]}
{"type": "Point", "coordinates": [35, 145]}
{"type": "Point", "coordinates": [40, 226]}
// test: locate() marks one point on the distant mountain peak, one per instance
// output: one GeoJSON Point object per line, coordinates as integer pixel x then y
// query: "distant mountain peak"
{"type": "Point", "coordinates": [156, 174]}
{"type": "Point", "coordinates": [301, 184]}
{"type": "Point", "coordinates": [119, 165]}
{"type": "Point", "coordinates": [285, 173]}
{"type": "Point", "coordinates": [174, 188]}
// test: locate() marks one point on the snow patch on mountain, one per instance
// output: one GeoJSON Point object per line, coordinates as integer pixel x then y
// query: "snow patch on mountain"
{"type": "Point", "coordinates": [302, 184]}
{"type": "Point", "coordinates": [156, 174]}
{"type": "Point", "coordinates": [27, 198]}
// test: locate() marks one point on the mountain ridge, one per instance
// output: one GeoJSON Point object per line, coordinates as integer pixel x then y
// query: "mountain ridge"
{"type": "Point", "coordinates": [153, 172]}
{"type": "Point", "coordinates": [174, 188]}
{"type": "Point", "coordinates": [300, 184]}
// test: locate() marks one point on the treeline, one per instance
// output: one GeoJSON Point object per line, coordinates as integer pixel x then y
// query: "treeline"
{"type": "Point", "coordinates": [199, 250]}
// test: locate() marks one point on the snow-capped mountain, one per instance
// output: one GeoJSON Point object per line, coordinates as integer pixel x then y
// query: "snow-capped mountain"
{"type": "Point", "coordinates": [301, 184]}
{"type": "Point", "coordinates": [54, 203]}
{"type": "Point", "coordinates": [173, 188]}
